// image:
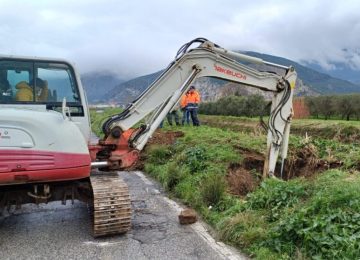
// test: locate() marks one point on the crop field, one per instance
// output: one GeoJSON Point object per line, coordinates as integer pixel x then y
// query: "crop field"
{"type": "Point", "coordinates": [311, 212]}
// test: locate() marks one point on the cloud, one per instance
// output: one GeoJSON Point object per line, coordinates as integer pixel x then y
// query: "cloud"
{"type": "Point", "coordinates": [137, 37]}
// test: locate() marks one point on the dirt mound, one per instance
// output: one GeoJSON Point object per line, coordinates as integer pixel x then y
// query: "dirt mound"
{"type": "Point", "coordinates": [245, 177]}
{"type": "Point", "coordinates": [159, 137]}
{"type": "Point", "coordinates": [305, 163]}
{"type": "Point", "coordinates": [240, 180]}
{"type": "Point", "coordinates": [167, 138]}
{"type": "Point", "coordinates": [252, 159]}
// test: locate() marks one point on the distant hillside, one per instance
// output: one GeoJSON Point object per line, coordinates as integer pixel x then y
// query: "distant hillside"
{"type": "Point", "coordinates": [338, 70]}
{"type": "Point", "coordinates": [310, 82]}
{"type": "Point", "coordinates": [317, 81]}
{"type": "Point", "coordinates": [98, 84]}
{"type": "Point", "coordinates": [211, 89]}
{"type": "Point", "coordinates": [127, 91]}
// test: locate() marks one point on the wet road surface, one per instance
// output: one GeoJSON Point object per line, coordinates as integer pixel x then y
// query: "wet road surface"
{"type": "Point", "coordinates": [55, 231]}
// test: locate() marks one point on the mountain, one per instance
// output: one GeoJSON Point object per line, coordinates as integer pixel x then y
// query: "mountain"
{"type": "Point", "coordinates": [127, 91]}
{"type": "Point", "coordinates": [97, 84]}
{"type": "Point", "coordinates": [317, 81]}
{"type": "Point", "coordinates": [338, 70]}
{"type": "Point", "coordinates": [310, 82]}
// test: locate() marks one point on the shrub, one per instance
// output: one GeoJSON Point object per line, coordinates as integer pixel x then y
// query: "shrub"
{"type": "Point", "coordinates": [195, 158]}
{"type": "Point", "coordinates": [244, 229]}
{"type": "Point", "coordinates": [159, 154]}
{"type": "Point", "coordinates": [185, 190]}
{"type": "Point", "coordinates": [175, 174]}
{"type": "Point", "coordinates": [274, 195]}
{"type": "Point", "coordinates": [212, 189]}
{"type": "Point", "coordinates": [253, 105]}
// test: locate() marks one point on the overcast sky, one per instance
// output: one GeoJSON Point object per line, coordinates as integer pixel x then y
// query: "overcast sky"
{"type": "Point", "coordinates": [134, 38]}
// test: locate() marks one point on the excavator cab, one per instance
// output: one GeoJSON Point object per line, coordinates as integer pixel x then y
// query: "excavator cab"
{"type": "Point", "coordinates": [44, 138]}
{"type": "Point", "coordinates": [59, 80]}
{"type": "Point", "coordinates": [43, 85]}
{"type": "Point", "coordinates": [44, 121]}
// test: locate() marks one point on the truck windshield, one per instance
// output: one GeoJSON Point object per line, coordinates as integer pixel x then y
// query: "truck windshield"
{"type": "Point", "coordinates": [38, 82]}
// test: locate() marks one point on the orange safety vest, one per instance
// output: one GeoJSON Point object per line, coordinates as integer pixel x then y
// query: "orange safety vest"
{"type": "Point", "coordinates": [189, 97]}
{"type": "Point", "coordinates": [193, 97]}
{"type": "Point", "coordinates": [183, 101]}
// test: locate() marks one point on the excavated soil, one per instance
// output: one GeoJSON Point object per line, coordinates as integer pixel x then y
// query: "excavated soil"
{"type": "Point", "coordinates": [245, 177]}
{"type": "Point", "coordinates": [240, 180]}
{"type": "Point", "coordinates": [305, 163]}
{"type": "Point", "coordinates": [167, 138]}
{"type": "Point", "coordinates": [159, 137]}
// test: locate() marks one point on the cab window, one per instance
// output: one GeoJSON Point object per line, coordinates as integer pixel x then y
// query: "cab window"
{"type": "Point", "coordinates": [59, 82]}
{"type": "Point", "coordinates": [35, 82]}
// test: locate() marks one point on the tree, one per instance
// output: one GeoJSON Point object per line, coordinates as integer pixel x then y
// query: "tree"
{"type": "Point", "coordinates": [325, 106]}
{"type": "Point", "coordinates": [345, 106]}
{"type": "Point", "coordinates": [235, 106]}
{"type": "Point", "coordinates": [312, 105]}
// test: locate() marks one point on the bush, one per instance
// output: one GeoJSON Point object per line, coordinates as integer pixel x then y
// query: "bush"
{"type": "Point", "coordinates": [274, 195]}
{"type": "Point", "coordinates": [339, 106]}
{"type": "Point", "coordinates": [195, 159]}
{"type": "Point", "coordinates": [212, 189]}
{"type": "Point", "coordinates": [175, 173]}
{"type": "Point", "coordinates": [244, 229]}
{"type": "Point", "coordinates": [159, 154]}
{"type": "Point", "coordinates": [250, 106]}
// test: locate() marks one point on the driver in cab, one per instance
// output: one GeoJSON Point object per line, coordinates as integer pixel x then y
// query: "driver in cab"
{"type": "Point", "coordinates": [25, 90]}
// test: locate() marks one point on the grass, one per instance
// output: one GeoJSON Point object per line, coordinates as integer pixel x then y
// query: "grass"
{"type": "Point", "coordinates": [99, 115]}
{"type": "Point", "coordinates": [279, 219]}
{"type": "Point", "coordinates": [327, 224]}
{"type": "Point", "coordinates": [344, 131]}
{"type": "Point", "coordinates": [303, 218]}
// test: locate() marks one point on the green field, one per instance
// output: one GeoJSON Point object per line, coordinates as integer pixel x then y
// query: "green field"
{"type": "Point", "coordinates": [312, 214]}
{"type": "Point", "coordinates": [99, 115]}
{"type": "Point", "coordinates": [344, 131]}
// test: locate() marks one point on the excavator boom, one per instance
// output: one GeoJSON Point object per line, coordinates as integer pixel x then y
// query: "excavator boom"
{"type": "Point", "coordinates": [206, 60]}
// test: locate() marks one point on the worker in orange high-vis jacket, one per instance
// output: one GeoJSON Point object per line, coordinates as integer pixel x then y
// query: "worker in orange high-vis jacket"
{"type": "Point", "coordinates": [186, 113]}
{"type": "Point", "coordinates": [192, 105]}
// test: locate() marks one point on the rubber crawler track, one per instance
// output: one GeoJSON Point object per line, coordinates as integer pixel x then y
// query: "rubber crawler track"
{"type": "Point", "coordinates": [111, 204]}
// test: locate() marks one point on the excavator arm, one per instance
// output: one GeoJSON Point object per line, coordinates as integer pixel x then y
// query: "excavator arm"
{"type": "Point", "coordinates": [121, 145]}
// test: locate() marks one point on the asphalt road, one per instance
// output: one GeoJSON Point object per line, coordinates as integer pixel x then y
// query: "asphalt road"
{"type": "Point", "coordinates": [55, 231]}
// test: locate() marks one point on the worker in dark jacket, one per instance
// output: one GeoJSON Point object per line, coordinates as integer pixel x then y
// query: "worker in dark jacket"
{"type": "Point", "coordinates": [173, 114]}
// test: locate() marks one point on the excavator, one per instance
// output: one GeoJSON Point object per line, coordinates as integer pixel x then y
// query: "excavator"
{"type": "Point", "coordinates": [46, 152]}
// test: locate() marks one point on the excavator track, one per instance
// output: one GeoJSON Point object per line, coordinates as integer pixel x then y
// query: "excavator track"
{"type": "Point", "coordinates": [111, 207]}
